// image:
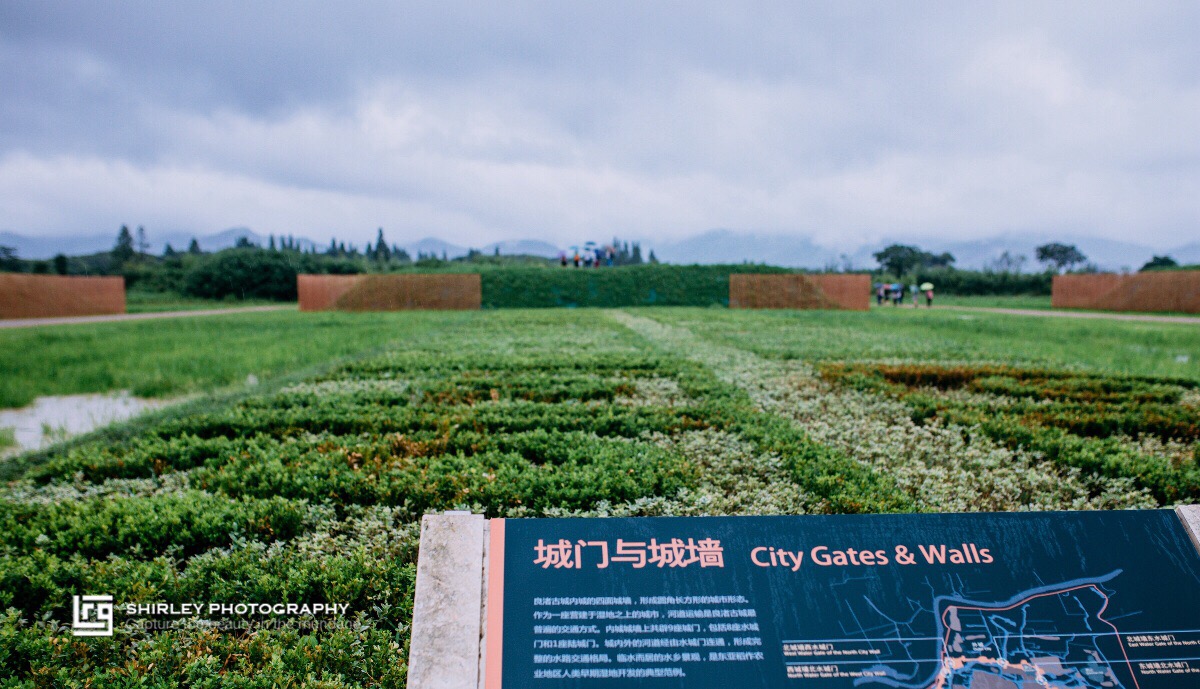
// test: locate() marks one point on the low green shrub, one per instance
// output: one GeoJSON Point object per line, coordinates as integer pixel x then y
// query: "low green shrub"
{"type": "Point", "coordinates": [186, 523]}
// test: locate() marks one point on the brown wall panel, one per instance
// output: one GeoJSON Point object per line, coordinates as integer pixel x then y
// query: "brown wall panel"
{"type": "Point", "coordinates": [799, 291]}
{"type": "Point", "coordinates": [1169, 290]}
{"type": "Point", "coordinates": [450, 291]}
{"type": "Point", "coordinates": [51, 296]}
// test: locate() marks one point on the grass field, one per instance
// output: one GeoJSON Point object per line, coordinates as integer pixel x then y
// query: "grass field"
{"type": "Point", "coordinates": [312, 491]}
{"type": "Point", "coordinates": [997, 302]}
{"type": "Point", "coordinates": [178, 356]}
{"type": "Point", "coordinates": [151, 302]}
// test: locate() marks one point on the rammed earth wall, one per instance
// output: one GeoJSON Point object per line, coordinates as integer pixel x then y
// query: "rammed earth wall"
{"type": "Point", "coordinates": [798, 291]}
{"type": "Point", "coordinates": [1174, 290]}
{"type": "Point", "coordinates": [50, 296]}
{"type": "Point", "coordinates": [450, 291]}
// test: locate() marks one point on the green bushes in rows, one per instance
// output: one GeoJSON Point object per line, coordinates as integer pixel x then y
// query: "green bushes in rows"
{"type": "Point", "coordinates": [1010, 381]}
{"type": "Point", "coordinates": [374, 576]}
{"type": "Point", "coordinates": [1170, 483]}
{"type": "Point", "coordinates": [641, 285]}
{"type": "Point", "coordinates": [1068, 417]}
{"type": "Point", "coordinates": [363, 561]}
{"type": "Point", "coordinates": [843, 484]}
{"type": "Point", "coordinates": [141, 457]}
{"type": "Point", "coordinates": [199, 658]}
{"type": "Point", "coordinates": [188, 523]}
{"type": "Point", "coordinates": [407, 364]}
{"type": "Point", "coordinates": [1085, 404]}
{"type": "Point", "coordinates": [540, 475]}
{"type": "Point", "coordinates": [607, 420]}
{"type": "Point", "coordinates": [471, 388]}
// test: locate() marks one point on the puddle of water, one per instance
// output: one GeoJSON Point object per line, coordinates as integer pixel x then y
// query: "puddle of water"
{"type": "Point", "coordinates": [51, 419]}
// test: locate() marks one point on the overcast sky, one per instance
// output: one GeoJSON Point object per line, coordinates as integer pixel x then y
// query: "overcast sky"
{"type": "Point", "coordinates": [844, 122]}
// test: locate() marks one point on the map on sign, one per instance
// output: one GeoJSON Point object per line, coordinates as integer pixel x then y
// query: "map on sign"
{"type": "Point", "coordinates": [1051, 636]}
{"type": "Point", "coordinates": [1101, 600]}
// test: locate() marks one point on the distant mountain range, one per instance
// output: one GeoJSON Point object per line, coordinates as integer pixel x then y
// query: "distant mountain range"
{"type": "Point", "coordinates": [714, 246]}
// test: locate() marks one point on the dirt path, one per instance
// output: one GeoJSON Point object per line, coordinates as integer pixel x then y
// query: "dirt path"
{"type": "Point", "coordinates": [1194, 320]}
{"type": "Point", "coordinates": [34, 322]}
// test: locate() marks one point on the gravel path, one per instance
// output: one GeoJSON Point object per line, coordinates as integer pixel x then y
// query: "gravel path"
{"type": "Point", "coordinates": [1060, 313]}
{"type": "Point", "coordinates": [34, 322]}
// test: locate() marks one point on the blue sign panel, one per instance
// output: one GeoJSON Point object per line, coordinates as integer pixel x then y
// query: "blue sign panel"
{"type": "Point", "coordinates": [1079, 600]}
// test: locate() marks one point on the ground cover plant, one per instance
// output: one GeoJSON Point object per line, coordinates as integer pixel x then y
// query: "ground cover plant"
{"type": "Point", "coordinates": [311, 489]}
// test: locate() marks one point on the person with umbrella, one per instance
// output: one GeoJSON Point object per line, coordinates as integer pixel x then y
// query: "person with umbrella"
{"type": "Point", "coordinates": [927, 288]}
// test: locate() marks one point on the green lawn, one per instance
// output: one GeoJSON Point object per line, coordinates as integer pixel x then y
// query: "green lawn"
{"type": "Point", "coordinates": [151, 302]}
{"type": "Point", "coordinates": [178, 356]}
{"type": "Point", "coordinates": [170, 357]}
{"type": "Point", "coordinates": [1023, 301]}
{"type": "Point", "coordinates": [1123, 347]}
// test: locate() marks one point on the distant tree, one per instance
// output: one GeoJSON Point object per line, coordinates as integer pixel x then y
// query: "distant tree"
{"type": "Point", "coordinates": [8, 259]}
{"type": "Point", "coordinates": [41, 267]}
{"type": "Point", "coordinates": [383, 254]}
{"type": "Point", "coordinates": [902, 259]}
{"type": "Point", "coordinates": [142, 245]}
{"type": "Point", "coordinates": [169, 251]}
{"type": "Point", "coordinates": [1159, 263]}
{"type": "Point", "coordinates": [399, 254]}
{"type": "Point", "coordinates": [1061, 256]}
{"type": "Point", "coordinates": [194, 247]}
{"type": "Point", "coordinates": [60, 264]}
{"type": "Point", "coordinates": [635, 256]}
{"type": "Point", "coordinates": [243, 242]}
{"type": "Point", "coordinates": [123, 250]}
{"type": "Point", "coordinates": [652, 258]}
{"type": "Point", "coordinates": [942, 260]}
{"type": "Point", "coordinates": [1007, 263]}
{"type": "Point", "coordinates": [899, 259]}
{"type": "Point", "coordinates": [271, 242]}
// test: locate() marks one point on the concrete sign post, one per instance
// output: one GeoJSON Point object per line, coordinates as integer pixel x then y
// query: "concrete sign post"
{"type": "Point", "coordinates": [1090, 600]}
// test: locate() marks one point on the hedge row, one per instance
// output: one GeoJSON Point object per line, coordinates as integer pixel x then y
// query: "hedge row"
{"type": "Point", "coordinates": [644, 285]}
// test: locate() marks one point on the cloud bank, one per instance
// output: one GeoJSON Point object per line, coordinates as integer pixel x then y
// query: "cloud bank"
{"type": "Point", "coordinates": [841, 122]}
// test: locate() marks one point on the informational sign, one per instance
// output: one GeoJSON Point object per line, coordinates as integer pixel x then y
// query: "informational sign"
{"type": "Point", "coordinates": [1078, 600]}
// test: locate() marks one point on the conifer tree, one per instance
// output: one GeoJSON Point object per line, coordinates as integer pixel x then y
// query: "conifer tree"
{"type": "Point", "coordinates": [123, 250]}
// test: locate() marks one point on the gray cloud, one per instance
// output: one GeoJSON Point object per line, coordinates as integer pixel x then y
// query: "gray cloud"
{"type": "Point", "coordinates": [844, 122]}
